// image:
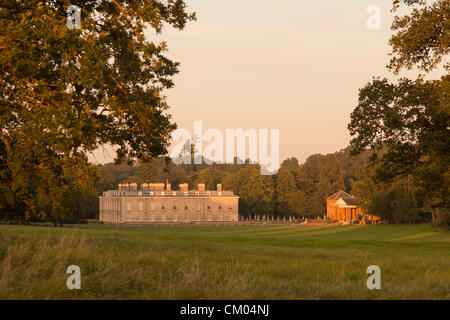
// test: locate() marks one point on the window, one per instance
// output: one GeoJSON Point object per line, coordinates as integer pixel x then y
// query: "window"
{"type": "Point", "coordinates": [219, 193]}
{"type": "Point", "coordinates": [174, 205]}
{"type": "Point", "coordinates": [209, 205]}
{"type": "Point", "coordinates": [174, 193]}
{"type": "Point", "coordinates": [220, 206]}
{"type": "Point", "coordinates": [128, 206]}
{"type": "Point", "coordinates": [186, 205]}
{"type": "Point", "coordinates": [152, 206]}
{"type": "Point", "coordinates": [151, 193]}
{"type": "Point", "coordinates": [230, 206]}
{"type": "Point", "coordinates": [141, 206]}
{"type": "Point", "coordinates": [163, 205]}
{"type": "Point", "coordinates": [185, 194]}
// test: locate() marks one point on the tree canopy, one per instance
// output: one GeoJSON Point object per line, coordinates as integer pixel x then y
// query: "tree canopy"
{"type": "Point", "coordinates": [65, 92]}
{"type": "Point", "coordinates": [407, 123]}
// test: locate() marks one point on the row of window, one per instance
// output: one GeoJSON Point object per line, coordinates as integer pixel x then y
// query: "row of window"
{"type": "Point", "coordinates": [110, 217]}
{"type": "Point", "coordinates": [175, 206]}
{"type": "Point", "coordinates": [162, 193]}
{"type": "Point", "coordinates": [111, 205]}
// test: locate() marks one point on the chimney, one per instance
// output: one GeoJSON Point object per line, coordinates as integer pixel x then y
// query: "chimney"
{"type": "Point", "coordinates": [201, 187]}
{"type": "Point", "coordinates": [184, 187]}
{"type": "Point", "coordinates": [159, 186]}
{"type": "Point", "coordinates": [144, 186]}
{"type": "Point", "coordinates": [120, 186]}
{"type": "Point", "coordinates": [133, 186]}
{"type": "Point", "coordinates": [168, 186]}
{"type": "Point", "coordinates": [219, 187]}
{"type": "Point", "coordinates": [125, 186]}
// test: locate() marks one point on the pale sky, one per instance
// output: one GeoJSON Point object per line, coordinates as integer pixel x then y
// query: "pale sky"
{"type": "Point", "coordinates": [289, 64]}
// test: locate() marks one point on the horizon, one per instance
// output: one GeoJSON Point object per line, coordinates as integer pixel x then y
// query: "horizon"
{"type": "Point", "coordinates": [236, 159]}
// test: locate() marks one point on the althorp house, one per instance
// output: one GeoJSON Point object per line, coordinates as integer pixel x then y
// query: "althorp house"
{"type": "Point", "coordinates": [157, 203]}
{"type": "Point", "coordinates": [342, 206]}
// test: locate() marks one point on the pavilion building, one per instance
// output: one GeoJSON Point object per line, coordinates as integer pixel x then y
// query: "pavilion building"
{"type": "Point", "coordinates": [342, 206]}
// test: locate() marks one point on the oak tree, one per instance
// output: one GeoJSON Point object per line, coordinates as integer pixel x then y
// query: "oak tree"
{"type": "Point", "coordinates": [407, 123]}
{"type": "Point", "coordinates": [64, 92]}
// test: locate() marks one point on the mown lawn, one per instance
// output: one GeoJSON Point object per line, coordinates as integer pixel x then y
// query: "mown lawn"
{"type": "Point", "coordinates": [257, 262]}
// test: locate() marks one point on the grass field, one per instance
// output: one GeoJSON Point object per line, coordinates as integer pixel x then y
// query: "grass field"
{"type": "Point", "coordinates": [253, 262]}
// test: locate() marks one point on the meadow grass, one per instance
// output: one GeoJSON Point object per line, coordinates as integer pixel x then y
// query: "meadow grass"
{"type": "Point", "coordinates": [251, 262]}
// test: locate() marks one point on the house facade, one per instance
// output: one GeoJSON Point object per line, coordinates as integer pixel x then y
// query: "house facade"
{"type": "Point", "coordinates": [342, 206]}
{"type": "Point", "coordinates": [157, 203]}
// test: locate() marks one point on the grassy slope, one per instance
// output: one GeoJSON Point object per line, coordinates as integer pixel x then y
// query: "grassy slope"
{"type": "Point", "coordinates": [258, 262]}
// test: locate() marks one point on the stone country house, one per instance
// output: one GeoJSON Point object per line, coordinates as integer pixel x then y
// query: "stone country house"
{"type": "Point", "coordinates": [158, 203]}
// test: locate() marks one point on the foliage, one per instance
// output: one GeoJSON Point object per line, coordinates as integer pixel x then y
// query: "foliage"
{"type": "Point", "coordinates": [442, 218]}
{"type": "Point", "coordinates": [394, 205]}
{"type": "Point", "coordinates": [255, 190]}
{"type": "Point", "coordinates": [422, 37]}
{"type": "Point", "coordinates": [64, 92]}
{"type": "Point", "coordinates": [284, 187]}
{"type": "Point", "coordinates": [407, 124]}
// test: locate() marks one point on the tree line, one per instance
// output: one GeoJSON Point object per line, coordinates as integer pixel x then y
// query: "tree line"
{"type": "Point", "coordinates": [295, 190]}
{"type": "Point", "coordinates": [298, 190]}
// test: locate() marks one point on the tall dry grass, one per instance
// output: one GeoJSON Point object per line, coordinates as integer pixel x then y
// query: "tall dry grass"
{"type": "Point", "coordinates": [33, 265]}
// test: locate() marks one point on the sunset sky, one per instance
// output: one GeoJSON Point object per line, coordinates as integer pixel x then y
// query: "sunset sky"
{"type": "Point", "coordinates": [292, 65]}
